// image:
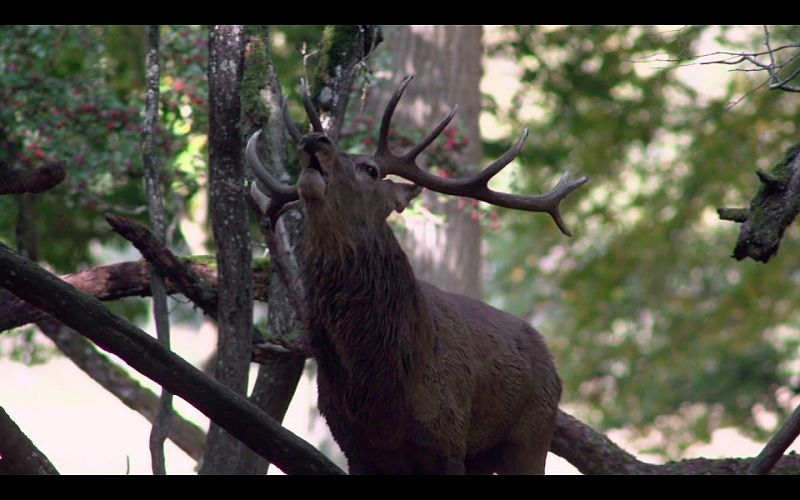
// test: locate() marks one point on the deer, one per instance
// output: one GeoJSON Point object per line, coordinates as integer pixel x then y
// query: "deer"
{"type": "Point", "coordinates": [411, 379]}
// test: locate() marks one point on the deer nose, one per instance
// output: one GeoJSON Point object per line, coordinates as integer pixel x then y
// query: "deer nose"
{"type": "Point", "coordinates": [315, 142]}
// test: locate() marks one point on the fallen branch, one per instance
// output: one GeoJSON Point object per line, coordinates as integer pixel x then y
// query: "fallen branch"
{"type": "Point", "coordinates": [230, 411]}
{"type": "Point", "coordinates": [126, 279]}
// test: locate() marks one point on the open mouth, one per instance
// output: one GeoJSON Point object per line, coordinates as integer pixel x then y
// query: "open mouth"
{"type": "Point", "coordinates": [314, 164]}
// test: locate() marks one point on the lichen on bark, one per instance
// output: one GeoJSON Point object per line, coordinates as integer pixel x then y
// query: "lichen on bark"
{"type": "Point", "coordinates": [773, 209]}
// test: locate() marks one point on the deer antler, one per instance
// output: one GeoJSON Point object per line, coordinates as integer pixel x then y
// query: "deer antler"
{"type": "Point", "coordinates": [280, 197]}
{"type": "Point", "coordinates": [475, 186]}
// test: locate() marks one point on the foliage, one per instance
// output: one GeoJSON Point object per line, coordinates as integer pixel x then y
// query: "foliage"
{"type": "Point", "coordinates": [647, 314]}
{"type": "Point", "coordinates": [75, 94]}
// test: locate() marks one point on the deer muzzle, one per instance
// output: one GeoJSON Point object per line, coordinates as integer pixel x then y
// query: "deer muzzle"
{"type": "Point", "coordinates": [317, 158]}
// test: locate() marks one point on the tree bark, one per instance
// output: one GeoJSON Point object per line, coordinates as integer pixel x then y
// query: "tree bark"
{"type": "Point", "coordinates": [446, 62]}
{"type": "Point", "coordinates": [231, 233]}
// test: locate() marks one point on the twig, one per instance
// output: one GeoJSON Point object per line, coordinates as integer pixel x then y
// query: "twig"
{"type": "Point", "coordinates": [100, 205]}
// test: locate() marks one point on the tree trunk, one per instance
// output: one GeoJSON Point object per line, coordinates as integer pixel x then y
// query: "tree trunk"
{"type": "Point", "coordinates": [446, 64]}
{"type": "Point", "coordinates": [231, 234]}
{"type": "Point", "coordinates": [277, 379]}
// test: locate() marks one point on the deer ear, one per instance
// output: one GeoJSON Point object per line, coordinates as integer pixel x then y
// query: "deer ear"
{"type": "Point", "coordinates": [401, 194]}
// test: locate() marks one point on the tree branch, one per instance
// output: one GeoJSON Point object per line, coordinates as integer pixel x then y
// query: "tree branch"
{"type": "Point", "coordinates": [37, 180]}
{"type": "Point", "coordinates": [594, 453]}
{"type": "Point", "coordinates": [343, 49]}
{"type": "Point", "coordinates": [772, 210]}
{"type": "Point", "coordinates": [591, 452]}
{"type": "Point", "coordinates": [185, 280]}
{"type": "Point", "coordinates": [192, 285]}
{"type": "Point", "coordinates": [88, 316]}
{"type": "Point", "coordinates": [774, 450]}
{"type": "Point", "coordinates": [127, 279]}
{"type": "Point", "coordinates": [18, 455]}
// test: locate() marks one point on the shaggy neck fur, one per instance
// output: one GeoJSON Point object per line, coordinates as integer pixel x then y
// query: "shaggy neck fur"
{"type": "Point", "coordinates": [370, 323]}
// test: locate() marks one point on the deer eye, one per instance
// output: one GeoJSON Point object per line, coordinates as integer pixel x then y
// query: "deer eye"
{"type": "Point", "coordinates": [371, 170]}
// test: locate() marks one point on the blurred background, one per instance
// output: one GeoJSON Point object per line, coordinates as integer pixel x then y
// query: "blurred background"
{"type": "Point", "coordinates": [663, 341]}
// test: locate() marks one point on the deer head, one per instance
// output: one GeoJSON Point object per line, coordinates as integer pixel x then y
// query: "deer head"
{"type": "Point", "coordinates": [336, 186]}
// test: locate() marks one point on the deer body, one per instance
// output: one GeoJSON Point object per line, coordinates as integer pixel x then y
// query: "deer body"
{"type": "Point", "coordinates": [411, 379]}
{"type": "Point", "coordinates": [416, 380]}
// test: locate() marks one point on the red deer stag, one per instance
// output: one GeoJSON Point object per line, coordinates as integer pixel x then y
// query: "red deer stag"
{"type": "Point", "coordinates": [411, 379]}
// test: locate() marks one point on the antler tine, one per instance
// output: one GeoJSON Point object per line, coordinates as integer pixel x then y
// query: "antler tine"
{"type": "Point", "coordinates": [296, 136]}
{"type": "Point", "coordinates": [313, 116]}
{"type": "Point", "coordinates": [386, 121]}
{"type": "Point", "coordinates": [280, 196]}
{"type": "Point", "coordinates": [424, 143]}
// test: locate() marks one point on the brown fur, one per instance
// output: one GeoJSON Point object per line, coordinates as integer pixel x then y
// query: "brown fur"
{"type": "Point", "coordinates": [411, 379]}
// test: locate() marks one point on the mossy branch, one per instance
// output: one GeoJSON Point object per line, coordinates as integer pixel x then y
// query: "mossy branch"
{"type": "Point", "coordinates": [772, 210]}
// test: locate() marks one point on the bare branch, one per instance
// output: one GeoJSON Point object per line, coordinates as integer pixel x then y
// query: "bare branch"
{"type": "Point", "coordinates": [774, 450]}
{"type": "Point", "coordinates": [37, 180]}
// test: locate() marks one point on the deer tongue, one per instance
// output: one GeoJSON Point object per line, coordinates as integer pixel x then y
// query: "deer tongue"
{"type": "Point", "coordinates": [311, 185]}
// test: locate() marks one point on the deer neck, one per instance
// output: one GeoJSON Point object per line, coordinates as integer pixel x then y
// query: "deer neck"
{"type": "Point", "coordinates": [367, 313]}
